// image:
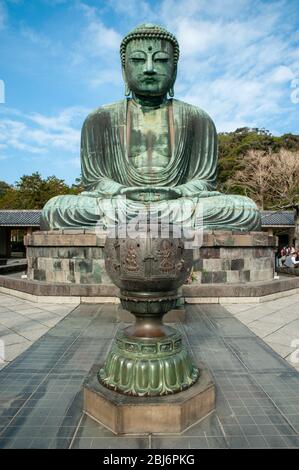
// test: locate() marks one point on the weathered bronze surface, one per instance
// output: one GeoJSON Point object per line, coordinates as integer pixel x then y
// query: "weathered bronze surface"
{"type": "Point", "coordinates": [149, 148]}
{"type": "Point", "coordinates": [148, 264]}
{"type": "Point", "coordinates": [149, 154]}
{"type": "Point", "coordinates": [148, 358]}
{"type": "Point", "coordinates": [159, 414]}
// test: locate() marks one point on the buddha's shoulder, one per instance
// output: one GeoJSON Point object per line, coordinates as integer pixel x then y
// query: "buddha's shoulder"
{"type": "Point", "coordinates": [193, 110]}
{"type": "Point", "coordinates": [106, 110]}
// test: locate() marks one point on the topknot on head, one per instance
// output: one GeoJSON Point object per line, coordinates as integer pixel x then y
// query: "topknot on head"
{"type": "Point", "coordinates": [148, 30]}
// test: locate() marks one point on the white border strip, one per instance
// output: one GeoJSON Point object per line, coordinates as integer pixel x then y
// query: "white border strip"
{"type": "Point", "coordinates": [76, 300]}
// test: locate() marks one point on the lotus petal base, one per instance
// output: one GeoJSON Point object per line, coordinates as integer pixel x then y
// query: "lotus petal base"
{"type": "Point", "coordinates": [148, 366]}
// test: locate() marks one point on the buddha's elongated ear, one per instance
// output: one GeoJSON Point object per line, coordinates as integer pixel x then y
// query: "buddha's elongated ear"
{"type": "Point", "coordinates": [171, 88]}
{"type": "Point", "coordinates": [127, 89]}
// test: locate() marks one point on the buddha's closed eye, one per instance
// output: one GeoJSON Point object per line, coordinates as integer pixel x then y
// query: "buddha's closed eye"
{"type": "Point", "coordinates": [138, 60]}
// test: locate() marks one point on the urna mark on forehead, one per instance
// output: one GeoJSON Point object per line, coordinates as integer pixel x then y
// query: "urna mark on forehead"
{"type": "Point", "coordinates": [146, 32]}
{"type": "Point", "coordinates": [152, 45]}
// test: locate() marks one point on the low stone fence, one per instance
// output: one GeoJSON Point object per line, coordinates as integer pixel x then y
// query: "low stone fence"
{"type": "Point", "coordinates": [77, 257]}
{"type": "Point", "coordinates": [66, 257]}
{"type": "Point", "coordinates": [228, 257]}
{"type": "Point", "coordinates": [291, 271]}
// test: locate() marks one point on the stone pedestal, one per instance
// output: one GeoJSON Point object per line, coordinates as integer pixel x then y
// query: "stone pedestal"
{"type": "Point", "coordinates": [168, 414]}
{"type": "Point", "coordinates": [231, 257]}
{"type": "Point", "coordinates": [77, 257]}
{"type": "Point", "coordinates": [71, 256]}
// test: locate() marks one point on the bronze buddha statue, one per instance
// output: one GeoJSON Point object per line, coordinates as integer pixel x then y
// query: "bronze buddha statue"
{"type": "Point", "coordinates": [149, 151]}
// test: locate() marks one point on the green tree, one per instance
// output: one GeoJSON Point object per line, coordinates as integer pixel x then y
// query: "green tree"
{"type": "Point", "coordinates": [77, 187]}
{"type": "Point", "coordinates": [9, 200]}
{"type": "Point", "coordinates": [233, 146]}
{"type": "Point", "coordinates": [4, 187]}
{"type": "Point", "coordinates": [32, 192]}
{"type": "Point", "coordinates": [270, 179]}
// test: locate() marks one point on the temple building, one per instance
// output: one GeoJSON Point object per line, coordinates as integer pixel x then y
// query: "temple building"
{"type": "Point", "coordinates": [282, 224]}
{"type": "Point", "coordinates": [15, 224]}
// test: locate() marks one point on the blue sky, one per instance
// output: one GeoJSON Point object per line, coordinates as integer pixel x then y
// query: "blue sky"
{"type": "Point", "coordinates": [59, 59]}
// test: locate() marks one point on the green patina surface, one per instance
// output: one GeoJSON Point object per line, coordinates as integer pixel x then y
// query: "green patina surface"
{"type": "Point", "coordinates": [149, 148]}
{"type": "Point", "coordinates": [96, 275]}
{"type": "Point", "coordinates": [149, 153]}
{"type": "Point", "coordinates": [148, 367]}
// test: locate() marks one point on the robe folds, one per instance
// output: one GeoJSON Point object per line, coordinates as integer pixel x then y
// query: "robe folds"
{"type": "Point", "coordinates": [192, 168]}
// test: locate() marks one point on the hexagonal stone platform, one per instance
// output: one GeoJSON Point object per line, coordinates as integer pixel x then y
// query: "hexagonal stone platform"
{"type": "Point", "coordinates": [130, 415]}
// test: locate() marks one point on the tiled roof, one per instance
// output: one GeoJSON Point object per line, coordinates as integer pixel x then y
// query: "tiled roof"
{"type": "Point", "coordinates": [278, 218]}
{"type": "Point", "coordinates": [20, 218]}
{"type": "Point", "coordinates": [24, 218]}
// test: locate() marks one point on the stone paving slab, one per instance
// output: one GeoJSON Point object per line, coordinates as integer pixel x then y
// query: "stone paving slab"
{"type": "Point", "coordinates": [257, 392]}
{"type": "Point", "coordinates": [276, 322]}
{"type": "Point", "coordinates": [23, 322]}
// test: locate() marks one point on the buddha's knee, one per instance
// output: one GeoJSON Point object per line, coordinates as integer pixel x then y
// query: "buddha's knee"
{"type": "Point", "coordinates": [61, 201]}
{"type": "Point", "coordinates": [54, 205]}
{"type": "Point", "coordinates": [245, 202]}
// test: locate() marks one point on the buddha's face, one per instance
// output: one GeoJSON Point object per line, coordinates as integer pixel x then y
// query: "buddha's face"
{"type": "Point", "coordinates": [149, 67]}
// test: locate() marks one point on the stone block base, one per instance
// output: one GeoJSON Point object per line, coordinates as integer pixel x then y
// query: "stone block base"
{"type": "Point", "coordinates": [168, 414]}
{"type": "Point", "coordinates": [77, 257]}
{"type": "Point", "coordinates": [254, 292]}
{"type": "Point", "coordinates": [232, 258]}
{"type": "Point", "coordinates": [66, 256]}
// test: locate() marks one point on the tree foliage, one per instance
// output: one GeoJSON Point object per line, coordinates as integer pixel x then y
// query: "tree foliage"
{"type": "Point", "coordinates": [270, 179]}
{"type": "Point", "coordinates": [242, 153]}
{"type": "Point", "coordinates": [233, 146]}
{"type": "Point", "coordinates": [4, 187]}
{"type": "Point", "coordinates": [32, 192]}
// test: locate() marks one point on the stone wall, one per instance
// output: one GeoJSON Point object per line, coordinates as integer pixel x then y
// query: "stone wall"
{"type": "Point", "coordinates": [70, 257]}
{"type": "Point", "coordinates": [78, 257]}
{"type": "Point", "coordinates": [228, 257]}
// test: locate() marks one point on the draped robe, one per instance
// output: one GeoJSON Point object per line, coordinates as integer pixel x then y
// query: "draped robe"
{"type": "Point", "coordinates": [192, 168]}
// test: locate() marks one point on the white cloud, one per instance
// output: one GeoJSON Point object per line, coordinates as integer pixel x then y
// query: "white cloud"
{"type": "Point", "coordinates": [34, 36]}
{"type": "Point", "coordinates": [112, 76]}
{"type": "Point", "coordinates": [69, 162]}
{"type": "Point", "coordinates": [42, 135]}
{"type": "Point", "coordinates": [62, 121]}
{"type": "Point", "coordinates": [100, 40]}
{"type": "Point", "coordinates": [236, 59]}
{"type": "Point", "coordinates": [197, 36]}
{"type": "Point", "coordinates": [96, 39]}
{"type": "Point", "coordinates": [97, 50]}
{"type": "Point", "coordinates": [282, 74]}
{"type": "Point", "coordinates": [137, 9]}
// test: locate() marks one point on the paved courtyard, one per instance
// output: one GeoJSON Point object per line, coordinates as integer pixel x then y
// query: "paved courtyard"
{"type": "Point", "coordinates": [23, 322]}
{"type": "Point", "coordinates": [257, 391]}
{"type": "Point", "coordinates": [276, 322]}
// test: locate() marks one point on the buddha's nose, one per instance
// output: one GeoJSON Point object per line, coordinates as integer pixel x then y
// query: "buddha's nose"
{"type": "Point", "coordinates": [149, 67]}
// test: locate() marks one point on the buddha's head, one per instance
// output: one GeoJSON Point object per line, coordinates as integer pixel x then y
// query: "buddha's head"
{"type": "Point", "coordinates": [149, 56]}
